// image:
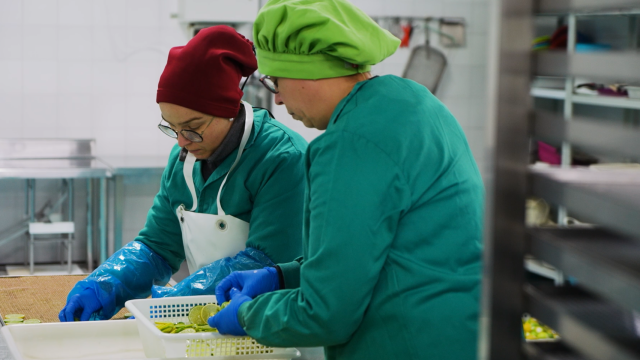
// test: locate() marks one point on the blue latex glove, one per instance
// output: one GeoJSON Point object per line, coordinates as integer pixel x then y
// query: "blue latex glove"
{"type": "Point", "coordinates": [128, 274]}
{"type": "Point", "coordinates": [204, 281]}
{"type": "Point", "coordinates": [81, 306]}
{"type": "Point", "coordinates": [226, 320]}
{"type": "Point", "coordinates": [250, 283]}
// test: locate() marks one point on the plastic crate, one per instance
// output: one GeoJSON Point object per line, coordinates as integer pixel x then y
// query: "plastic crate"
{"type": "Point", "coordinates": [157, 344]}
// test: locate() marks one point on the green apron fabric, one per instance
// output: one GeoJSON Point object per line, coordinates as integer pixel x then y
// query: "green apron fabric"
{"type": "Point", "coordinates": [392, 235]}
{"type": "Point", "coordinates": [266, 189]}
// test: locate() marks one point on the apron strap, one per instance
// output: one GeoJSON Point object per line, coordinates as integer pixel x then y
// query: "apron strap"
{"type": "Point", "coordinates": [189, 162]}
{"type": "Point", "coordinates": [248, 125]}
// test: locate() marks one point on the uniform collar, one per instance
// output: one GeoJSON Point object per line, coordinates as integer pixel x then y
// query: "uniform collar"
{"type": "Point", "coordinates": [347, 99]}
{"type": "Point", "coordinates": [223, 168]}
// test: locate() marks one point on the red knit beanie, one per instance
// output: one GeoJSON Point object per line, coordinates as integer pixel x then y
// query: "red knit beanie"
{"type": "Point", "coordinates": [205, 74]}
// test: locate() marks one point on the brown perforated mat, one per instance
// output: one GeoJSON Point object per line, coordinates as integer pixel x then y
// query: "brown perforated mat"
{"type": "Point", "coordinates": [38, 297]}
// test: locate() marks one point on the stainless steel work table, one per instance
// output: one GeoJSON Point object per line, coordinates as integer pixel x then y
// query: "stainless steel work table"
{"type": "Point", "coordinates": [66, 159]}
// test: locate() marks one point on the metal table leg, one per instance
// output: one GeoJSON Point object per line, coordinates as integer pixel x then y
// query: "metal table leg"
{"type": "Point", "coordinates": [118, 211]}
{"type": "Point", "coordinates": [89, 225]}
{"type": "Point", "coordinates": [70, 215]}
{"type": "Point", "coordinates": [31, 243]}
{"type": "Point", "coordinates": [103, 220]}
{"type": "Point", "coordinates": [27, 213]}
{"type": "Point", "coordinates": [32, 218]}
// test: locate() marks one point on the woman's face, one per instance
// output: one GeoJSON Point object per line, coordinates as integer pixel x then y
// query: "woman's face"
{"type": "Point", "coordinates": [212, 129]}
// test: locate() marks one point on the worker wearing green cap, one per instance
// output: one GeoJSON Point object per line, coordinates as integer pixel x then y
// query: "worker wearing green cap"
{"type": "Point", "coordinates": [392, 220]}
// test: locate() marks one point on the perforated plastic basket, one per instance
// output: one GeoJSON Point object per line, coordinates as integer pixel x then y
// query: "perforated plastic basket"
{"type": "Point", "coordinates": [157, 344]}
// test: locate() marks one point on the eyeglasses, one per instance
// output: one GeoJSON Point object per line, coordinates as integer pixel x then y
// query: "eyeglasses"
{"type": "Point", "coordinates": [269, 84]}
{"type": "Point", "coordinates": [190, 135]}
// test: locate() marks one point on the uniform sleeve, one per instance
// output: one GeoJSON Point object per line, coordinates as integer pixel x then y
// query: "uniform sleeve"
{"type": "Point", "coordinates": [356, 198]}
{"type": "Point", "coordinates": [276, 217]}
{"type": "Point", "coordinates": [290, 273]}
{"type": "Point", "coordinates": [161, 232]}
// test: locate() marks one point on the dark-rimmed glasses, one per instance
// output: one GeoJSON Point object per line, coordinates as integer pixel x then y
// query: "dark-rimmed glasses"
{"type": "Point", "coordinates": [269, 84]}
{"type": "Point", "coordinates": [190, 135]}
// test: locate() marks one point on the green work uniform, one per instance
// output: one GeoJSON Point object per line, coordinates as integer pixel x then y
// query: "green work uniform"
{"type": "Point", "coordinates": [392, 235]}
{"type": "Point", "coordinates": [266, 189]}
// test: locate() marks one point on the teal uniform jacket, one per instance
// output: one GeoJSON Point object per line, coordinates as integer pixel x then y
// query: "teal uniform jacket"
{"type": "Point", "coordinates": [392, 235]}
{"type": "Point", "coordinates": [266, 189]}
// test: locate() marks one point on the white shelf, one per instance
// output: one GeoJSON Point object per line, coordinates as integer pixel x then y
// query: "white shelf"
{"type": "Point", "coordinates": [609, 101]}
{"type": "Point", "coordinates": [555, 94]}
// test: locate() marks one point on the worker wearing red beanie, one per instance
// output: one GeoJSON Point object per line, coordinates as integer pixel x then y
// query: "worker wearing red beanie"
{"type": "Point", "coordinates": [204, 74]}
{"type": "Point", "coordinates": [233, 164]}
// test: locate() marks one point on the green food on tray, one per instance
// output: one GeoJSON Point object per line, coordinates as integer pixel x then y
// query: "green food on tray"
{"type": "Point", "coordinates": [198, 316]}
{"type": "Point", "coordinates": [535, 330]}
{"type": "Point", "coordinates": [14, 316]}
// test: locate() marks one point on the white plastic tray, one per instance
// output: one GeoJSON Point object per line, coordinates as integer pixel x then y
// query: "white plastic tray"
{"type": "Point", "coordinates": [115, 339]}
{"type": "Point", "coordinates": [205, 344]}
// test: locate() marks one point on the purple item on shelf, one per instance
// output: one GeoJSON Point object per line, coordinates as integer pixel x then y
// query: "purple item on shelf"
{"type": "Point", "coordinates": [607, 91]}
{"type": "Point", "coordinates": [548, 154]}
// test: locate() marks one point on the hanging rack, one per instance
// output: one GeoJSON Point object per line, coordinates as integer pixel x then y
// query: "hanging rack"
{"type": "Point", "coordinates": [423, 22]}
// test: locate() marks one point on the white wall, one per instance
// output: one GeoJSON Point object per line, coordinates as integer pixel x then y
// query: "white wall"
{"type": "Point", "coordinates": [85, 69]}
{"type": "Point", "coordinates": [90, 68]}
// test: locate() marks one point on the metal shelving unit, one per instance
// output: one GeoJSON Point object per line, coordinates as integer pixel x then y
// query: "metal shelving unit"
{"type": "Point", "coordinates": [610, 101]}
{"type": "Point", "coordinates": [597, 311]}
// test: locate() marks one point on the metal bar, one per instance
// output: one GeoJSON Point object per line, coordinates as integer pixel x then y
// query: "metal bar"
{"type": "Point", "coordinates": [502, 300]}
{"type": "Point", "coordinates": [615, 65]}
{"type": "Point", "coordinates": [110, 216]}
{"type": "Point", "coordinates": [585, 6]}
{"type": "Point", "coordinates": [89, 225]}
{"type": "Point", "coordinates": [31, 260]}
{"type": "Point", "coordinates": [594, 328]}
{"type": "Point", "coordinates": [27, 201]}
{"type": "Point", "coordinates": [588, 134]}
{"type": "Point", "coordinates": [602, 262]}
{"type": "Point", "coordinates": [20, 231]}
{"type": "Point", "coordinates": [69, 248]}
{"type": "Point", "coordinates": [70, 209]}
{"type": "Point", "coordinates": [566, 151]}
{"type": "Point", "coordinates": [103, 220]}
{"type": "Point", "coordinates": [118, 211]}
{"type": "Point", "coordinates": [32, 200]}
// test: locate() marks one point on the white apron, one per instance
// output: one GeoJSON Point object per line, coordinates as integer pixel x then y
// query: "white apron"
{"type": "Point", "coordinates": [207, 237]}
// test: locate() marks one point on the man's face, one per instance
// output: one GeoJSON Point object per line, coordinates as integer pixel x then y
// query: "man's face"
{"type": "Point", "coordinates": [212, 129]}
{"type": "Point", "coordinates": [304, 100]}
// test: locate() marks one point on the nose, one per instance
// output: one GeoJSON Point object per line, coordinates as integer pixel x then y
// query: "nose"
{"type": "Point", "coordinates": [278, 99]}
{"type": "Point", "coordinates": [182, 141]}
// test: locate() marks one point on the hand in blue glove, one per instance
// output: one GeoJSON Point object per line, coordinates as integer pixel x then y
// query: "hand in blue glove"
{"type": "Point", "coordinates": [81, 305]}
{"type": "Point", "coordinates": [251, 283]}
{"type": "Point", "coordinates": [226, 320]}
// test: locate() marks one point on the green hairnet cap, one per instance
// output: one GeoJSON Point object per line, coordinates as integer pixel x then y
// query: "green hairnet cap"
{"type": "Point", "coordinates": [318, 39]}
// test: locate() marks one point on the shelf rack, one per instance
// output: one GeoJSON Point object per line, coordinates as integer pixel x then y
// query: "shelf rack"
{"type": "Point", "coordinates": [610, 101]}
{"type": "Point", "coordinates": [596, 314]}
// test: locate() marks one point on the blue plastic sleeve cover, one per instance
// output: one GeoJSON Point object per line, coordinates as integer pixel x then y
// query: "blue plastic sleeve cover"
{"type": "Point", "coordinates": [205, 280]}
{"type": "Point", "coordinates": [128, 274]}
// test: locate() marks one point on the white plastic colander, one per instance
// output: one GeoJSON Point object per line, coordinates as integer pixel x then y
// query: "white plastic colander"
{"type": "Point", "coordinates": [157, 344]}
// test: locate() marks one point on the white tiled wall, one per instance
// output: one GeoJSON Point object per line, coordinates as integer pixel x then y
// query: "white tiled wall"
{"type": "Point", "coordinates": [90, 68]}
{"type": "Point", "coordinates": [86, 68]}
